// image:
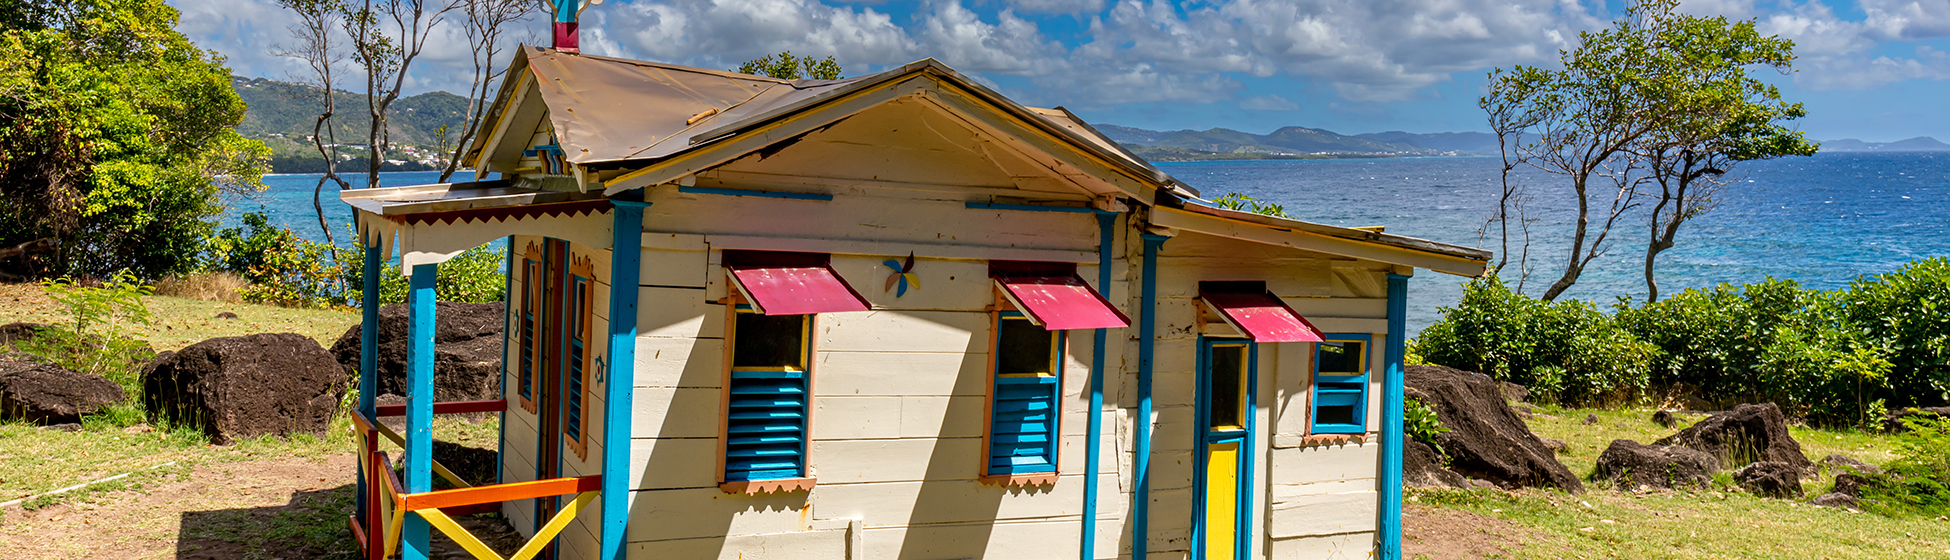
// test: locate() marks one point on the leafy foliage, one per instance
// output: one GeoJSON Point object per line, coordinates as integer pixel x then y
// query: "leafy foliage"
{"type": "Point", "coordinates": [1422, 424]}
{"type": "Point", "coordinates": [98, 337]}
{"type": "Point", "coordinates": [1243, 203]}
{"type": "Point", "coordinates": [1566, 351]}
{"type": "Point", "coordinates": [288, 270]}
{"type": "Point", "coordinates": [115, 136]}
{"type": "Point", "coordinates": [1918, 481]}
{"type": "Point", "coordinates": [788, 67]}
{"type": "Point", "coordinates": [1909, 311]}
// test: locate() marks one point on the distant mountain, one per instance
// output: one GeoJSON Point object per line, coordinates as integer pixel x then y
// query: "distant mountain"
{"type": "Point", "coordinates": [1917, 144]}
{"type": "Point", "coordinates": [1296, 141]}
{"type": "Point", "coordinates": [281, 115]}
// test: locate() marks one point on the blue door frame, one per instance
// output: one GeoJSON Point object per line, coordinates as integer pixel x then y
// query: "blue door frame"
{"type": "Point", "coordinates": [1206, 437]}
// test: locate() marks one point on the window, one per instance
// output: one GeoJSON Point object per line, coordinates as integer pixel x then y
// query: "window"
{"type": "Point", "coordinates": [765, 413]}
{"type": "Point", "coordinates": [581, 313]}
{"type": "Point", "coordinates": [529, 327]}
{"type": "Point", "coordinates": [1226, 405]}
{"type": "Point", "coordinates": [1341, 384]}
{"type": "Point", "coordinates": [1027, 372]}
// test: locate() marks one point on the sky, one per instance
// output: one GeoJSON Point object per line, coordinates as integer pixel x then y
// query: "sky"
{"type": "Point", "coordinates": [1874, 70]}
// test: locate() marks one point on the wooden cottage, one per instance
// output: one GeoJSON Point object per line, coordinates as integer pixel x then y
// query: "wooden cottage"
{"type": "Point", "coordinates": [897, 316]}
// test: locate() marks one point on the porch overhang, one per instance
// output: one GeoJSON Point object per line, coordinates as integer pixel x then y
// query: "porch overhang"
{"type": "Point", "coordinates": [1321, 238]}
{"type": "Point", "coordinates": [432, 223]}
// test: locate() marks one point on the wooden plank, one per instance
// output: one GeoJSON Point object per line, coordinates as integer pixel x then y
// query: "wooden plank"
{"type": "Point", "coordinates": [671, 412]}
{"type": "Point", "coordinates": [947, 417]}
{"type": "Point", "coordinates": [900, 222]}
{"type": "Point", "coordinates": [1291, 492]}
{"type": "Point", "coordinates": [679, 362]}
{"type": "Point", "coordinates": [903, 373]}
{"type": "Point", "coordinates": [1352, 307]}
{"type": "Point", "coordinates": [806, 545]}
{"type": "Point", "coordinates": [1351, 545]}
{"type": "Point", "coordinates": [847, 417]}
{"type": "Point", "coordinates": [1324, 514]}
{"type": "Point", "coordinates": [907, 331]}
{"type": "Point", "coordinates": [501, 492]}
{"type": "Point", "coordinates": [1300, 239]}
{"type": "Point", "coordinates": [450, 407]}
{"type": "Point", "coordinates": [671, 463]}
{"type": "Point", "coordinates": [1021, 539]}
{"type": "Point", "coordinates": [1325, 463]}
{"type": "Point", "coordinates": [674, 268]}
{"type": "Point", "coordinates": [1350, 326]}
{"type": "Point", "coordinates": [838, 462]}
{"type": "Point", "coordinates": [677, 313]}
{"type": "Point", "coordinates": [875, 248]}
{"type": "Point", "coordinates": [945, 284]}
{"type": "Point", "coordinates": [947, 501]}
{"type": "Point", "coordinates": [680, 242]}
{"type": "Point", "coordinates": [657, 515]}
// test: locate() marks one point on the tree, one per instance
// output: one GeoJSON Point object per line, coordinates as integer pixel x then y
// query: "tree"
{"type": "Point", "coordinates": [484, 23]}
{"type": "Point", "coordinates": [788, 67]}
{"type": "Point", "coordinates": [386, 37]}
{"type": "Point", "coordinates": [116, 136]}
{"type": "Point", "coordinates": [1628, 105]}
{"type": "Point", "coordinates": [1718, 118]}
{"type": "Point", "coordinates": [317, 45]}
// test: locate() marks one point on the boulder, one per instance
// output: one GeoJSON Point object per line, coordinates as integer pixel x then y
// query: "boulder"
{"type": "Point", "coordinates": [1835, 500]}
{"type": "Point", "coordinates": [1850, 484]}
{"type": "Point", "coordinates": [466, 350]}
{"type": "Point", "coordinates": [1486, 439]}
{"type": "Point", "coordinates": [1750, 433]}
{"type": "Point", "coordinates": [1590, 419]}
{"type": "Point", "coordinates": [11, 332]}
{"type": "Point", "coordinates": [1629, 464]}
{"type": "Point", "coordinates": [1665, 418]}
{"type": "Point", "coordinates": [1422, 468]}
{"type": "Point", "coordinates": [1837, 461]}
{"type": "Point", "coordinates": [1513, 392]}
{"type": "Point", "coordinates": [1771, 479]}
{"type": "Point", "coordinates": [1556, 445]}
{"type": "Point", "coordinates": [246, 386]}
{"type": "Point", "coordinates": [1894, 423]}
{"type": "Point", "coordinates": [44, 393]}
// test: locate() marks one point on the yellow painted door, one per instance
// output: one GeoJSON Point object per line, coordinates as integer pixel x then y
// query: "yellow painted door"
{"type": "Point", "coordinates": [1221, 500]}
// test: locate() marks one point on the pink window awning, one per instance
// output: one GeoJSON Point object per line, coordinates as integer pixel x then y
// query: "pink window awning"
{"type": "Point", "coordinates": [1061, 302]}
{"type": "Point", "coordinates": [796, 290]}
{"type": "Point", "coordinates": [1261, 316]}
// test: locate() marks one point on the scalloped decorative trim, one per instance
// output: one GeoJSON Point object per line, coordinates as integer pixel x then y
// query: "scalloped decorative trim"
{"type": "Point", "coordinates": [1022, 480]}
{"type": "Point", "coordinates": [754, 487]}
{"type": "Point", "coordinates": [1322, 440]}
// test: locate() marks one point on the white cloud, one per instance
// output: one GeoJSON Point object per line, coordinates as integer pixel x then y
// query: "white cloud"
{"type": "Point", "coordinates": [1057, 6]}
{"type": "Point", "coordinates": [724, 33]}
{"type": "Point", "coordinates": [1858, 73]}
{"type": "Point", "coordinates": [1908, 19]}
{"type": "Point", "coordinates": [1268, 103]}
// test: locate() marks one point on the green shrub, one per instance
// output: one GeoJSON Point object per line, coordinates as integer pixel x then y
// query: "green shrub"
{"type": "Point", "coordinates": [1714, 339]}
{"type": "Point", "coordinates": [98, 338]}
{"type": "Point", "coordinates": [1566, 351]}
{"type": "Point", "coordinates": [1916, 481]}
{"type": "Point", "coordinates": [1420, 421]}
{"type": "Point", "coordinates": [1909, 312]}
{"type": "Point", "coordinates": [284, 269]}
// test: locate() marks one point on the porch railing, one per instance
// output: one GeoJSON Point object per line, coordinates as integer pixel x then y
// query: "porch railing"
{"type": "Point", "coordinates": [377, 528]}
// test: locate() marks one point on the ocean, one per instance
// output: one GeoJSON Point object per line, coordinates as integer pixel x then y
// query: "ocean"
{"type": "Point", "coordinates": [1820, 221]}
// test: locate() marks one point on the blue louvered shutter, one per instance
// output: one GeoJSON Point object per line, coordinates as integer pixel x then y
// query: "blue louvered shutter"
{"type": "Point", "coordinates": [1341, 392]}
{"type": "Point", "coordinates": [530, 299]}
{"type": "Point", "coordinates": [766, 425]}
{"type": "Point", "coordinates": [1022, 433]}
{"type": "Point", "coordinates": [578, 342]}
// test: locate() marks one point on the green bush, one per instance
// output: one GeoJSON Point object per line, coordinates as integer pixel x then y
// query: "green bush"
{"type": "Point", "coordinates": [287, 270]}
{"type": "Point", "coordinates": [1714, 339]}
{"type": "Point", "coordinates": [1916, 481]}
{"type": "Point", "coordinates": [98, 337]}
{"type": "Point", "coordinates": [1566, 351]}
{"type": "Point", "coordinates": [1909, 312]}
{"type": "Point", "coordinates": [1422, 424]}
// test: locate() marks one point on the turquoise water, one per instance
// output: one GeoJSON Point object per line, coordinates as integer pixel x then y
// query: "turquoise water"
{"type": "Point", "coordinates": [1820, 221]}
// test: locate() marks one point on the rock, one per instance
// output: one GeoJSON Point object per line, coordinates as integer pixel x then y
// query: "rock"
{"type": "Point", "coordinates": [1835, 500]}
{"type": "Point", "coordinates": [1842, 462]}
{"type": "Point", "coordinates": [1486, 439]}
{"type": "Point", "coordinates": [44, 393]}
{"type": "Point", "coordinates": [1590, 419]}
{"type": "Point", "coordinates": [1894, 423]}
{"type": "Point", "coordinates": [69, 427]}
{"type": "Point", "coordinates": [1422, 468]}
{"type": "Point", "coordinates": [1523, 410]}
{"type": "Point", "coordinates": [12, 332]}
{"type": "Point", "coordinates": [1771, 479]}
{"type": "Point", "coordinates": [466, 351]}
{"type": "Point", "coordinates": [1850, 484]}
{"type": "Point", "coordinates": [1628, 464]}
{"type": "Point", "coordinates": [1665, 418]}
{"type": "Point", "coordinates": [246, 386]}
{"type": "Point", "coordinates": [472, 464]}
{"type": "Point", "coordinates": [1513, 392]}
{"type": "Point", "coordinates": [226, 315]}
{"type": "Point", "coordinates": [1557, 446]}
{"type": "Point", "coordinates": [1750, 433]}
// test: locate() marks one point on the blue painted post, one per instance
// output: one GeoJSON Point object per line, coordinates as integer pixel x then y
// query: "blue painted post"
{"type": "Point", "coordinates": [626, 260]}
{"type": "Point", "coordinates": [368, 351]}
{"type": "Point", "coordinates": [1391, 418]}
{"type": "Point", "coordinates": [1147, 331]}
{"type": "Point", "coordinates": [419, 404]}
{"type": "Point", "coordinates": [1094, 440]}
{"type": "Point", "coordinates": [509, 301]}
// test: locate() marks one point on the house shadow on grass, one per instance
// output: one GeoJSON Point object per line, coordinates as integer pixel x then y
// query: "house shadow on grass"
{"type": "Point", "coordinates": [310, 525]}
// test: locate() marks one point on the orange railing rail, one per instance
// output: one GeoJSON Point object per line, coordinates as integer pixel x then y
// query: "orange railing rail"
{"type": "Point", "coordinates": [387, 501]}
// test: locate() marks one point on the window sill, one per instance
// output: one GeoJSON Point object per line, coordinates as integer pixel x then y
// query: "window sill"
{"type": "Point", "coordinates": [1323, 440]}
{"type": "Point", "coordinates": [1022, 480]}
{"type": "Point", "coordinates": [755, 487]}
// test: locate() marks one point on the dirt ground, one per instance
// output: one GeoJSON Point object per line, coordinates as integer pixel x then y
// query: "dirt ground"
{"type": "Point", "coordinates": [1446, 534]}
{"type": "Point", "coordinates": [283, 508]}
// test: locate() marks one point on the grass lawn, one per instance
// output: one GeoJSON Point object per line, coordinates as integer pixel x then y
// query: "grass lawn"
{"type": "Point", "coordinates": [1720, 523]}
{"type": "Point", "coordinates": [181, 322]}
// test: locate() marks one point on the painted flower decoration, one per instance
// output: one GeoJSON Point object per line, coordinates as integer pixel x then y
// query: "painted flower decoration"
{"type": "Point", "coordinates": [903, 275]}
